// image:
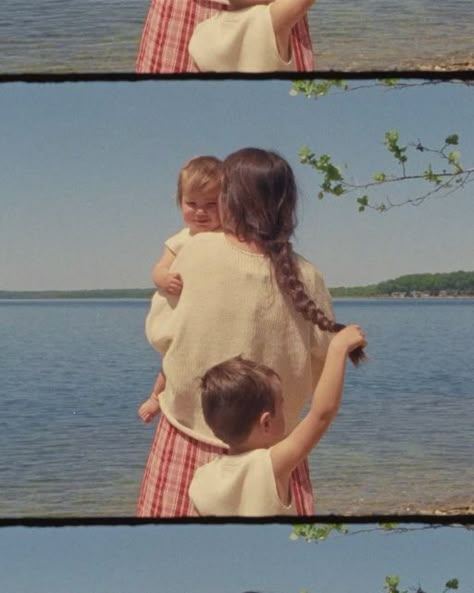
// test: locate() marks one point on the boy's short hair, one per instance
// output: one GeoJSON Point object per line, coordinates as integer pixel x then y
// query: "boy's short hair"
{"type": "Point", "coordinates": [200, 174]}
{"type": "Point", "coordinates": [234, 394]}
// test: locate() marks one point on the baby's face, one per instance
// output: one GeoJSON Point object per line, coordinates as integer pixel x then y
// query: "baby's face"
{"type": "Point", "coordinates": [200, 212]}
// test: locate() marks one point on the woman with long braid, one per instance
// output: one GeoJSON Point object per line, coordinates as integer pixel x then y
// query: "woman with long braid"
{"type": "Point", "coordinates": [245, 293]}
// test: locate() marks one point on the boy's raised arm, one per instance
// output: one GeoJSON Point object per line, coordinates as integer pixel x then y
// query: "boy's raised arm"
{"type": "Point", "coordinates": [294, 448]}
{"type": "Point", "coordinates": [286, 13]}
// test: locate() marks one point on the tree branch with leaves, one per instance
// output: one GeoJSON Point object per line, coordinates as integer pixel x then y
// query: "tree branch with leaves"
{"type": "Point", "coordinates": [392, 585]}
{"type": "Point", "coordinates": [314, 533]}
{"type": "Point", "coordinates": [441, 174]}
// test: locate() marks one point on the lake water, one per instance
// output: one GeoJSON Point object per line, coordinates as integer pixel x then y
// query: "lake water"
{"type": "Point", "coordinates": [58, 36]}
{"type": "Point", "coordinates": [73, 373]}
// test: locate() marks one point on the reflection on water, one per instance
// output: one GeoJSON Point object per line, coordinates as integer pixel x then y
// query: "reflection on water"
{"type": "Point", "coordinates": [103, 35]}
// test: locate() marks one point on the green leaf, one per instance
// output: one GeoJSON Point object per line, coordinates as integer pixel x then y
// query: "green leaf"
{"type": "Point", "coordinates": [453, 139]}
{"type": "Point", "coordinates": [338, 190]}
{"type": "Point", "coordinates": [333, 173]}
{"type": "Point", "coordinates": [391, 137]}
{"type": "Point", "coordinates": [391, 584]}
{"type": "Point", "coordinates": [391, 142]}
{"type": "Point", "coordinates": [453, 157]}
{"type": "Point", "coordinates": [314, 533]}
{"type": "Point", "coordinates": [294, 536]}
{"type": "Point", "coordinates": [452, 584]}
{"type": "Point", "coordinates": [389, 81]}
{"type": "Point", "coordinates": [313, 89]}
{"type": "Point", "coordinates": [306, 155]}
{"type": "Point", "coordinates": [430, 176]}
{"type": "Point", "coordinates": [389, 526]}
{"type": "Point", "coordinates": [379, 177]}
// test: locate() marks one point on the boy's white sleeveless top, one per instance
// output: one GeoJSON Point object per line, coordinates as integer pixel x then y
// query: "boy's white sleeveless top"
{"type": "Point", "coordinates": [238, 41]}
{"type": "Point", "coordinates": [230, 305]}
{"type": "Point", "coordinates": [238, 486]}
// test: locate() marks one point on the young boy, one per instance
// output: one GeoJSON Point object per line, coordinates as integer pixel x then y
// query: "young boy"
{"type": "Point", "coordinates": [243, 404]}
{"type": "Point", "coordinates": [199, 185]}
{"type": "Point", "coordinates": [253, 36]}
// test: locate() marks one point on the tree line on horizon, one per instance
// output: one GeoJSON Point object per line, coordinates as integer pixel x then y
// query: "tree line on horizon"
{"type": "Point", "coordinates": [439, 284]}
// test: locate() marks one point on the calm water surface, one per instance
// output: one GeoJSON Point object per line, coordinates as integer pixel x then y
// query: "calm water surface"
{"type": "Point", "coordinates": [103, 35]}
{"type": "Point", "coordinates": [73, 373]}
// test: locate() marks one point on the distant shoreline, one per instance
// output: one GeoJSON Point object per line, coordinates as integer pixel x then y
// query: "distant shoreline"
{"type": "Point", "coordinates": [441, 285]}
{"type": "Point", "coordinates": [66, 296]}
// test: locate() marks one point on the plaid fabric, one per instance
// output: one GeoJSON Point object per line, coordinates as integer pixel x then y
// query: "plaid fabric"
{"type": "Point", "coordinates": [170, 24]}
{"type": "Point", "coordinates": [173, 459]}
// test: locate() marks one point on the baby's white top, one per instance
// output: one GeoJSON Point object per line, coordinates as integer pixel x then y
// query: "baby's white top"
{"type": "Point", "coordinates": [230, 305]}
{"type": "Point", "coordinates": [177, 241]}
{"type": "Point", "coordinates": [238, 486]}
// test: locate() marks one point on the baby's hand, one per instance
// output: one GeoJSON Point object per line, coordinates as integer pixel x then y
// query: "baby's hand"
{"type": "Point", "coordinates": [173, 283]}
{"type": "Point", "coordinates": [149, 409]}
{"type": "Point", "coordinates": [349, 338]}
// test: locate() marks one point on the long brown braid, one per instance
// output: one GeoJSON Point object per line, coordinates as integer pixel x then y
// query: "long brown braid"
{"type": "Point", "coordinates": [258, 204]}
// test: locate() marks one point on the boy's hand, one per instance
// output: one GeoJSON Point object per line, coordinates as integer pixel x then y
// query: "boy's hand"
{"type": "Point", "coordinates": [173, 283]}
{"type": "Point", "coordinates": [149, 409]}
{"type": "Point", "coordinates": [348, 339]}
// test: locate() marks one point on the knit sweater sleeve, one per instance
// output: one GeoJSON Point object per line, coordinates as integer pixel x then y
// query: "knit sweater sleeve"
{"type": "Point", "coordinates": [157, 324]}
{"type": "Point", "coordinates": [158, 327]}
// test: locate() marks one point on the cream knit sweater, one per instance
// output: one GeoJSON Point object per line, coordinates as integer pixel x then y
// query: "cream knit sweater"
{"type": "Point", "coordinates": [230, 305]}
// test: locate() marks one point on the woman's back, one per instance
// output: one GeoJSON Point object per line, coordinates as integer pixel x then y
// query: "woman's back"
{"type": "Point", "coordinates": [231, 305]}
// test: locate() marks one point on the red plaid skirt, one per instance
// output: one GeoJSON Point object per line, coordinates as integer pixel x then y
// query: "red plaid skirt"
{"type": "Point", "coordinates": [173, 459]}
{"type": "Point", "coordinates": [170, 24]}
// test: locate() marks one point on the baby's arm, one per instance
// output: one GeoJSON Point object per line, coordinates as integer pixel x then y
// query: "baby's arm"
{"type": "Point", "coordinates": [150, 407]}
{"type": "Point", "coordinates": [286, 13]}
{"type": "Point", "coordinates": [289, 452]}
{"type": "Point", "coordinates": [163, 278]}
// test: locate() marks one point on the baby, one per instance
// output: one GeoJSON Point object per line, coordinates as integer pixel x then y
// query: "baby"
{"type": "Point", "coordinates": [199, 185]}
{"type": "Point", "coordinates": [243, 405]}
{"type": "Point", "coordinates": [254, 36]}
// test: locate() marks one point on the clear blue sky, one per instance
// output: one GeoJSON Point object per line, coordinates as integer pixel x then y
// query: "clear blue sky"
{"type": "Point", "coordinates": [89, 170]}
{"type": "Point", "coordinates": [227, 559]}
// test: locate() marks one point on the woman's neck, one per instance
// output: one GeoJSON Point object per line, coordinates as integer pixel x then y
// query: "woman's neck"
{"type": "Point", "coordinates": [251, 246]}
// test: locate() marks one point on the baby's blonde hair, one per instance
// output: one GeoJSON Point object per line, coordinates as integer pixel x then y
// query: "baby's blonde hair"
{"type": "Point", "coordinates": [200, 174]}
